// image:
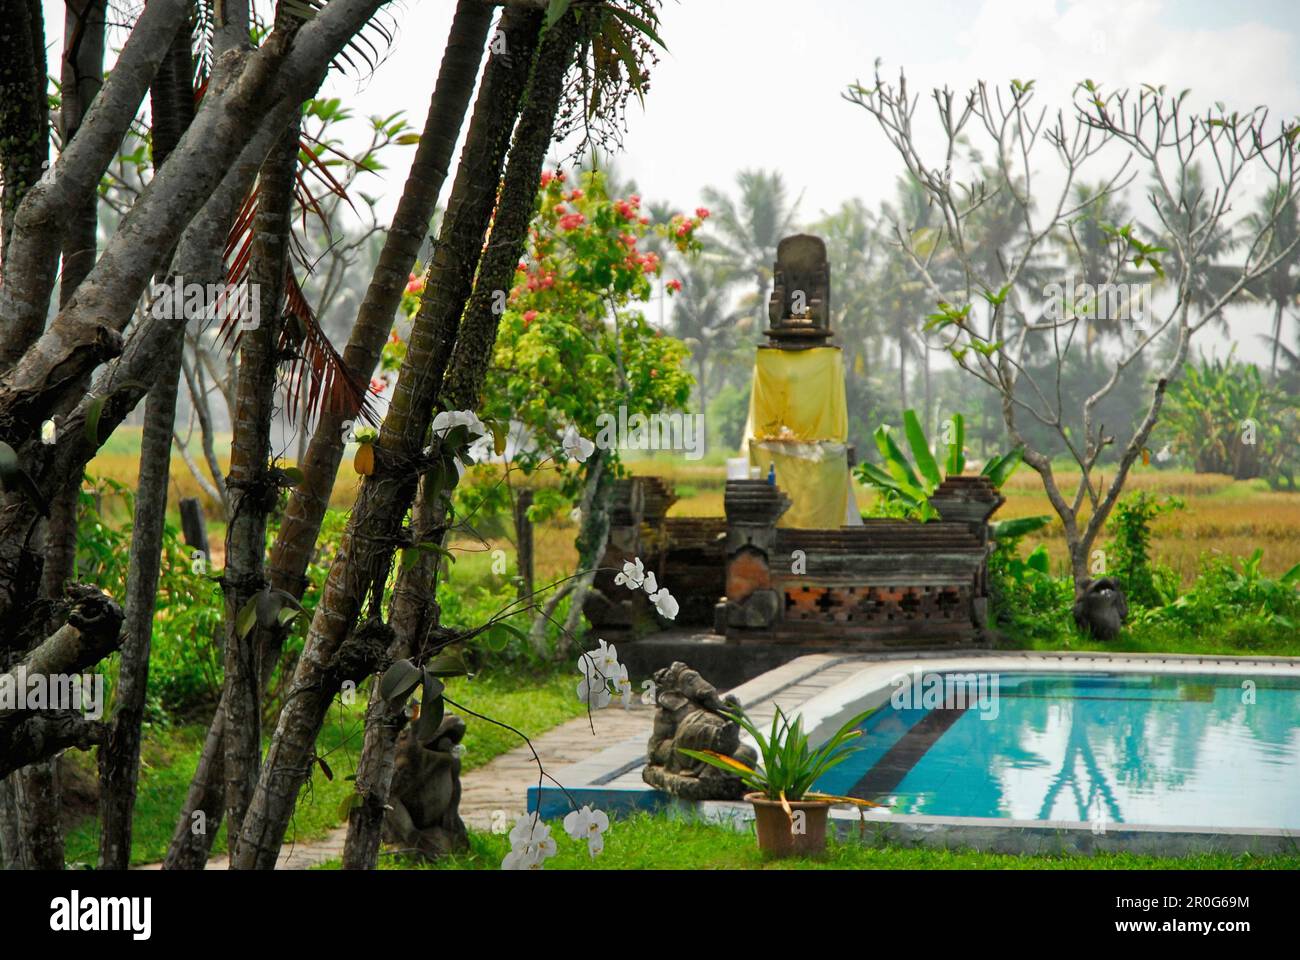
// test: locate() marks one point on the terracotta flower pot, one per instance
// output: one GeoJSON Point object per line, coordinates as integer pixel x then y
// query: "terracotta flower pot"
{"type": "Point", "coordinates": [776, 830]}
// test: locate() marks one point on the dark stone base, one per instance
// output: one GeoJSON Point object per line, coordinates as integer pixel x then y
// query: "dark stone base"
{"type": "Point", "coordinates": [725, 664]}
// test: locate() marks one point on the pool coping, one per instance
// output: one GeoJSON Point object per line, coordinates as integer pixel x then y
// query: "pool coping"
{"type": "Point", "coordinates": [827, 687]}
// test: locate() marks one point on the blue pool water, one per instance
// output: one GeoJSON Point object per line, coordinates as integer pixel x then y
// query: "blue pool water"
{"type": "Point", "coordinates": [1115, 748]}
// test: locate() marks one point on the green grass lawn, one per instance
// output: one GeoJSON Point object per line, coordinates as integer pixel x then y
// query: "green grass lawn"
{"type": "Point", "coordinates": [648, 842]}
{"type": "Point", "coordinates": [531, 703]}
{"type": "Point", "coordinates": [1231, 641]}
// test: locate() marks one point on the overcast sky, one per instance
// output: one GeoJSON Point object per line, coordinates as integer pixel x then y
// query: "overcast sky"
{"type": "Point", "coordinates": [758, 83]}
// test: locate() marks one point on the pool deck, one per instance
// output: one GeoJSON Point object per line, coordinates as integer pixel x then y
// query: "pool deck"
{"type": "Point", "coordinates": [827, 688]}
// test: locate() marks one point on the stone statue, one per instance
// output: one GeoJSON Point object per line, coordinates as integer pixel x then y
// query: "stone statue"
{"type": "Point", "coordinates": [424, 814]}
{"type": "Point", "coordinates": [1101, 609]}
{"type": "Point", "coordinates": [799, 307]}
{"type": "Point", "coordinates": [689, 715]}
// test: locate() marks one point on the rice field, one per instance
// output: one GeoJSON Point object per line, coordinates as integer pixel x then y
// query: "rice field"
{"type": "Point", "coordinates": [1232, 517]}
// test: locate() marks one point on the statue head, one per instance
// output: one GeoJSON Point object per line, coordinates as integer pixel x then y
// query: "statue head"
{"type": "Point", "coordinates": [799, 308]}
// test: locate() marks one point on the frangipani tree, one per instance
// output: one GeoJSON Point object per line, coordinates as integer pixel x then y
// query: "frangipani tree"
{"type": "Point", "coordinates": [993, 323]}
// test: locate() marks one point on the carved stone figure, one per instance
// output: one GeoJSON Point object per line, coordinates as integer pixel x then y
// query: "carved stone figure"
{"type": "Point", "coordinates": [424, 814]}
{"type": "Point", "coordinates": [690, 715]}
{"type": "Point", "coordinates": [800, 304]}
{"type": "Point", "coordinates": [1101, 609]}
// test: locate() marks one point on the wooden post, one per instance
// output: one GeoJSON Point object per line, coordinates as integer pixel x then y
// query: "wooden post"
{"type": "Point", "coordinates": [194, 527]}
{"type": "Point", "coordinates": [524, 542]}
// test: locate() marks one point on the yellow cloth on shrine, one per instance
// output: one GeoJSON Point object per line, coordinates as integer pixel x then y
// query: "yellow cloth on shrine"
{"type": "Point", "coordinates": [819, 490]}
{"type": "Point", "coordinates": [799, 395]}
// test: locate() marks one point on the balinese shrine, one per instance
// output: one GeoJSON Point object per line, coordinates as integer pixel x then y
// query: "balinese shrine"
{"type": "Point", "coordinates": [792, 564]}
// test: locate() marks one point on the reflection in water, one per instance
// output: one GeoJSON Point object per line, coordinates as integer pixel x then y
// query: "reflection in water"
{"type": "Point", "coordinates": [1166, 750]}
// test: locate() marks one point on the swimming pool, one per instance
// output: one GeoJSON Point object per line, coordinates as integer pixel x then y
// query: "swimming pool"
{"type": "Point", "coordinates": [1186, 750]}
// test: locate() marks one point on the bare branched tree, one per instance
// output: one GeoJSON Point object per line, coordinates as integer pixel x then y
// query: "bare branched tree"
{"type": "Point", "coordinates": [997, 328]}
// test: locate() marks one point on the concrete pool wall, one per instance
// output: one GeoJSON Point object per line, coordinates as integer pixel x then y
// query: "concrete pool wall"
{"type": "Point", "coordinates": [827, 689]}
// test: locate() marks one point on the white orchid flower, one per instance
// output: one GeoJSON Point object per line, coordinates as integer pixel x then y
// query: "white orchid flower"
{"type": "Point", "coordinates": [601, 662]}
{"type": "Point", "coordinates": [648, 584]}
{"type": "Point", "coordinates": [666, 604]}
{"type": "Point", "coordinates": [623, 685]}
{"type": "Point", "coordinates": [594, 692]}
{"type": "Point", "coordinates": [633, 574]}
{"type": "Point", "coordinates": [530, 844]}
{"type": "Point", "coordinates": [576, 445]}
{"type": "Point", "coordinates": [448, 420]}
{"type": "Point", "coordinates": [588, 824]}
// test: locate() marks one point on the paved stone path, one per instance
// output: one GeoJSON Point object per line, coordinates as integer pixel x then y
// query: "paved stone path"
{"type": "Point", "coordinates": [501, 784]}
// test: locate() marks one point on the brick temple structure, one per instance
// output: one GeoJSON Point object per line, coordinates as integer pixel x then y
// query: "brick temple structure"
{"type": "Point", "coordinates": [799, 566]}
{"type": "Point", "coordinates": [884, 584]}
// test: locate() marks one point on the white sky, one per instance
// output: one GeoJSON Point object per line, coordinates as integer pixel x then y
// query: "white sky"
{"type": "Point", "coordinates": [758, 82]}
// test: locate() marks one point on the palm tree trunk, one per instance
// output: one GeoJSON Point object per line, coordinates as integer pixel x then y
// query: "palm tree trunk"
{"type": "Point", "coordinates": [252, 491]}
{"type": "Point", "coordinates": [412, 611]}
{"type": "Point", "coordinates": [296, 542]}
{"type": "Point", "coordinates": [172, 108]}
{"type": "Point", "coordinates": [365, 552]}
{"type": "Point", "coordinates": [1277, 336]}
{"type": "Point", "coordinates": [24, 124]}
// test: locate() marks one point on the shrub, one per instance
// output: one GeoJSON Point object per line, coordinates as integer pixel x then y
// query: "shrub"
{"type": "Point", "coordinates": [1145, 584]}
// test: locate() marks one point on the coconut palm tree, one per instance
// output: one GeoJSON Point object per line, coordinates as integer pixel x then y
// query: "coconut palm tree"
{"type": "Point", "coordinates": [1281, 285]}
{"type": "Point", "coordinates": [749, 225]}
{"type": "Point", "coordinates": [704, 318]}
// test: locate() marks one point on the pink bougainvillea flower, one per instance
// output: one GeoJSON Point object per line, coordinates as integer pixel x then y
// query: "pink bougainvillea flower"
{"type": "Point", "coordinates": [414, 284]}
{"type": "Point", "coordinates": [571, 221]}
{"type": "Point", "coordinates": [529, 316]}
{"type": "Point", "coordinates": [547, 177]}
{"type": "Point", "coordinates": [702, 212]}
{"type": "Point", "coordinates": [576, 195]}
{"type": "Point", "coordinates": [378, 384]}
{"type": "Point", "coordinates": [674, 286]}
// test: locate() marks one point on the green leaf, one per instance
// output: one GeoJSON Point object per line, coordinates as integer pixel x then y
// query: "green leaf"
{"type": "Point", "coordinates": [1039, 560]}
{"type": "Point", "coordinates": [1018, 527]}
{"type": "Point", "coordinates": [999, 469]}
{"type": "Point", "coordinates": [247, 618]}
{"type": "Point", "coordinates": [452, 662]}
{"type": "Point", "coordinates": [956, 449]}
{"type": "Point", "coordinates": [1291, 576]}
{"type": "Point", "coordinates": [432, 709]}
{"type": "Point", "coordinates": [555, 10]}
{"type": "Point", "coordinates": [637, 23]}
{"type": "Point", "coordinates": [400, 680]}
{"type": "Point", "coordinates": [93, 413]}
{"type": "Point", "coordinates": [895, 462]}
{"type": "Point", "coordinates": [921, 449]}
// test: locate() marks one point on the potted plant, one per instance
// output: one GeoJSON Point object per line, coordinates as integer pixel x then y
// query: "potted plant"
{"type": "Point", "coordinates": [790, 817]}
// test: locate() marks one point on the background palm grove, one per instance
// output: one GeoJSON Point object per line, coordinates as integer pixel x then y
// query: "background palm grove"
{"type": "Point", "coordinates": [529, 280]}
